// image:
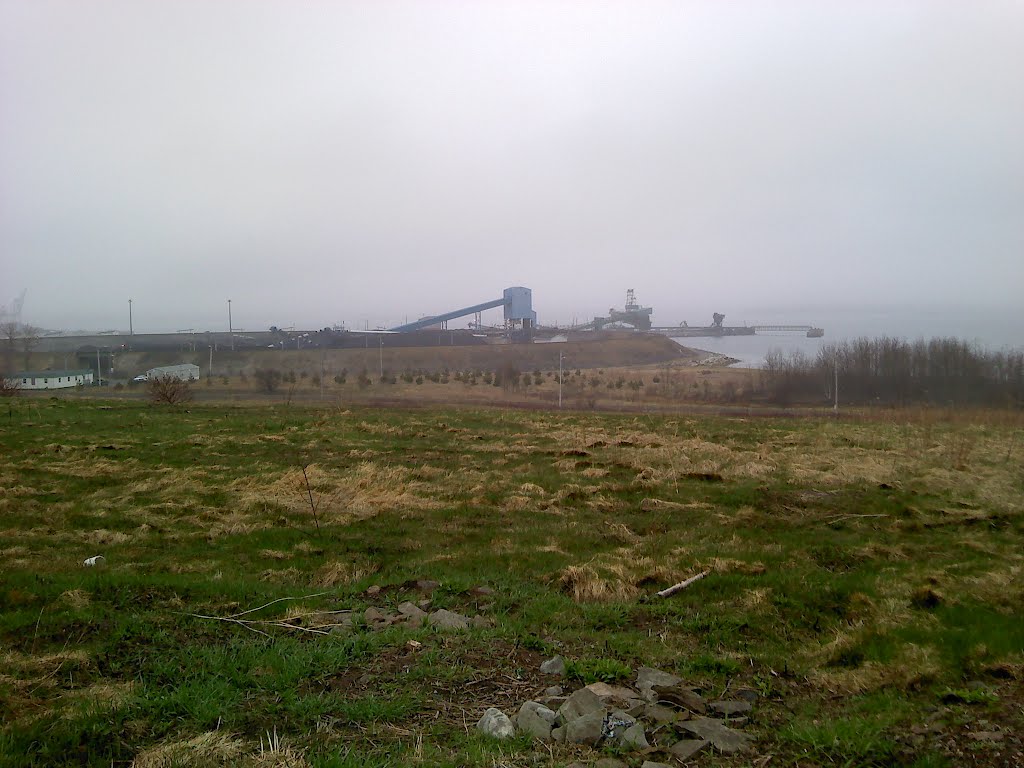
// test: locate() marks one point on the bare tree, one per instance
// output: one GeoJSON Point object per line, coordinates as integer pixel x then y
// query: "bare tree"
{"type": "Point", "coordinates": [29, 338]}
{"type": "Point", "coordinates": [168, 390]}
{"type": "Point", "coordinates": [9, 332]}
{"type": "Point", "coordinates": [269, 379]}
{"type": "Point", "coordinates": [9, 386]}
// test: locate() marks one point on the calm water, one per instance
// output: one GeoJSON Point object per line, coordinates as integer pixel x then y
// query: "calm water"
{"type": "Point", "coordinates": [1002, 329]}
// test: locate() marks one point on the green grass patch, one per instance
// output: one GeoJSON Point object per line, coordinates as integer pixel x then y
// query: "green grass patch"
{"type": "Point", "coordinates": [857, 578]}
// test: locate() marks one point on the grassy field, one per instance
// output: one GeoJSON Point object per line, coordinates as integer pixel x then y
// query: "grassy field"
{"type": "Point", "coordinates": [865, 579]}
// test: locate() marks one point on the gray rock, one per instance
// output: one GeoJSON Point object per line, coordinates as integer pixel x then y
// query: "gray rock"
{"type": "Point", "coordinates": [482, 622]}
{"type": "Point", "coordinates": [545, 713]}
{"type": "Point", "coordinates": [611, 762]}
{"type": "Point", "coordinates": [747, 695]}
{"type": "Point", "coordinates": [553, 702]}
{"type": "Point", "coordinates": [427, 585]}
{"type": "Point", "coordinates": [445, 619]}
{"type": "Point", "coordinates": [991, 736]}
{"type": "Point", "coordinates": [481, 591]}
{"type": "Point", "coordinates": [680, 697]}
{"type": "Point", "coordinates": [634, 738]}
{"type": "Point", "coordinates": [536, 720]}
{"type": "Point", "coordinates": [582, 702]}
{"type": "Point", "coordinates": [724, 739]}
{"type": "Point", "coordinates": [374, 590]}
{"type": "Point", "coordinates": [554, 690]}
{"type": "Point", "coordinates": [412, 611]}
{"type": "Point", "coordinates": [555, 666]}
{"type": "Point", "coordinates": [342, 624]}
{"type": "Point", "coordinates": [635, 707]}
{"type": "Point", "coordinates": [687, 748]}
{"type": "Point", "coordinates": [372, 616]}
{"type": "Point", "coordinates": [496, 723]}
{"type": "Point", "coordinates": [648, 677]}
{"type": "Point", "coordinates": [730, 708]}
{"type": "Point", "coordinates": [586, 729]}
{"type": "Point", "coordinates": [660, 715]}
{"type": "Point", "coordinates": [558, 734]}
{"type": "Point", "coordinates": [652, 764]}
{"type": "Point", "coordinates": [615, 693]}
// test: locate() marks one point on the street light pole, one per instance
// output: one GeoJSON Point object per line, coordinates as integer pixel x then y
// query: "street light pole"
{"type": "Point", "coordinates": [231, 331]}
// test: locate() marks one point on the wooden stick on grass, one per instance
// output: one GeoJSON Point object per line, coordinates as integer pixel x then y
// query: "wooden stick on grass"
{"type": "Point", "coordinates": [682, 585]}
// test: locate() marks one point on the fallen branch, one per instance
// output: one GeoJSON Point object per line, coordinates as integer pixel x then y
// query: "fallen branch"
{"type": "Point", "coordinates": [849, 517]}
{"type": "Point", "coordinates": [682, 585]}
{"type": "Point", "coordinates": [239, 622]}
{"type": "Point", "coordinates": [279, 600]}
{"type": "Point", "coordinates": [250, 623]}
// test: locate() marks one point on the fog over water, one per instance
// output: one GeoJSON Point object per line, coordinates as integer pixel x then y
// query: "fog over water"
{"type": "Point", "coordinates": [993, 329]}
{"type": "Point", "coordinates": [368, 162]}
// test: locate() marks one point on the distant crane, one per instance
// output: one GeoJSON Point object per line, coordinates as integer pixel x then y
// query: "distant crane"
{"type": "Point", "coordinates": [15, 312]}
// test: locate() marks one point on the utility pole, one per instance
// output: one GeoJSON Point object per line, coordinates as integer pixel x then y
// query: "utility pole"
{"type": "Point", "coordinates": [231, 331]}
{"type": "Point", "coordinates": [835, 385]}
{"type": "Point", "coordinates": [560, 356]}
{"type": "Point", "coordinates": [209, 371]}
{"type": "Point", "coordinates": [99, 370]}
{"type": "Point", "coordinates": [131, 328]}
{"type": "Point", "coordinates": [381, 340]}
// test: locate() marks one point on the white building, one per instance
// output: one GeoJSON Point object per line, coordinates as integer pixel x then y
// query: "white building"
{"type": "Point", "coordinates": [52, 379]}
{"type": "Point", "coordinates": [184, 372]}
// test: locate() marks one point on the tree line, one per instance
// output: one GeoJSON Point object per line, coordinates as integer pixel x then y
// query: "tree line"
{"type": "Point", "coordinates": [895, 371]}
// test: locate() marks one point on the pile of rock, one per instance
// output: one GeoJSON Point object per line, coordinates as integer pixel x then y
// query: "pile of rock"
{"type": "Point", "coordinates": [407, 614]}
{"type": "Point", "coordinates": [657, 714]}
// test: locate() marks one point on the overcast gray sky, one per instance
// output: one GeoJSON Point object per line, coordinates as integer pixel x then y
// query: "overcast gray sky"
{"type": "Point", "coordinates": [367, 161]}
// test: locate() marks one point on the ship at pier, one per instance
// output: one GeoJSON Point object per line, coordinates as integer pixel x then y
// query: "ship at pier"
{"type": "Point", "coordinates": [637, 317]}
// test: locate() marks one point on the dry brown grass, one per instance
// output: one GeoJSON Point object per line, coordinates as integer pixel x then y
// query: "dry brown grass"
{"type": "Point", "coordinates": [214, 748]}
{"type": "Point", "coordinates": [76, 599]}
{"type": "Point", "coordinates": [620, 575]}
{"type": "Point", "coordinates": [584, 585]}
{"type": "Point", "coordinates": [913, 667]}
{"type": "Point", "coordinates": [340, 497]}
{"type": "Point", "coordinates": [518, 503]}
{"type": "Point", "coordinates": [730, 565]}
{"type": "Point", "coordinates": [662, 505]}
{"type": "Point", "coordinates": [104, 538]}
{"type": "Point", "coordinates": [334, 573]}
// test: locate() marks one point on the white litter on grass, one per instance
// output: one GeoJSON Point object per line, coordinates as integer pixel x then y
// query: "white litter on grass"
{"type": "Point", "coordinates": [91, 562]}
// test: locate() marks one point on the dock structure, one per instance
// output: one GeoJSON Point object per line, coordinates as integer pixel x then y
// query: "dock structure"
{"type": "Point", "coordinates": [784, 328]}
{"type": "Point", "coordinates": [638, 317]}
{"type": "Point", "coordinates": [697, 331]}
{"type": "Point", "coordinates": [690, 331]}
